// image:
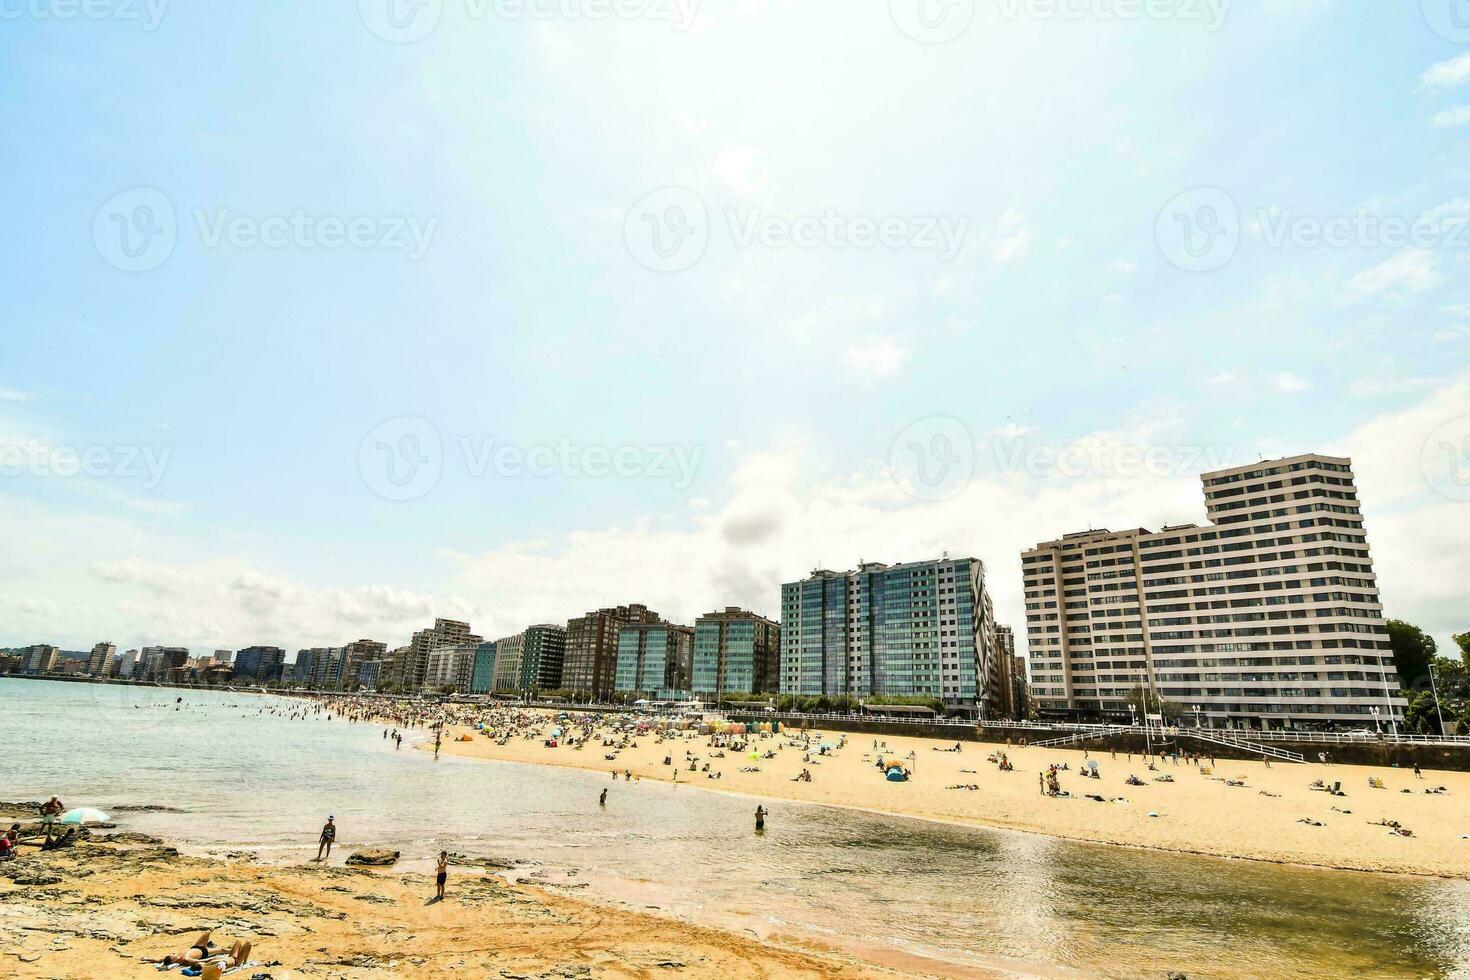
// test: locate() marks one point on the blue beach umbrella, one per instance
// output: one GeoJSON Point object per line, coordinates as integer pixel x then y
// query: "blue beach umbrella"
{"type": "Point", "coordinates": [84, 814]}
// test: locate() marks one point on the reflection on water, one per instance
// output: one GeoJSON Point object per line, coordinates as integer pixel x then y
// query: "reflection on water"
{"type": "Point", "coordinates": [248, 779]}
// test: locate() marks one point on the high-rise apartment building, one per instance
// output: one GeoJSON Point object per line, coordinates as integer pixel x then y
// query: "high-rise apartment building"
{"type": "Point", "coordinates": [592, 647]}
{"type": "Point", "coordinates": [354, 655]}
{"type": "Point", "coordinates": [98, 659]}
{"type": "Point", "coordinates": [482, 676]}
{"type": "Point", "coordinates": [509, 651]}
{"type": "Point", "coordinates": [40, 658]}
{"type": "Point", "coordinates": [542, 656]}
{"type": "Point", "coordinates": [445, 633]}
{"type": "Point", "coordinates": [918, 629]}
{"type": "Point", "coordinates": [260, 665]}
{"type": "Point", "coordinates": [450, 668]}
{"type": "Point", "coordinates": [1268, 616]}
{"type": "Point", "coordinates": [655, 660]}
{"type": "Point", "coordinates": [735, 651]}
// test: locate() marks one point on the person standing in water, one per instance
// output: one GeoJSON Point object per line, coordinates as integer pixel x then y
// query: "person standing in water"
{"type": "Point", "coordinates": [602, 800]}
{"type": "Point", "coordinates": [441, 873]}
{"type": "Point", "coordinates": [760, 817]}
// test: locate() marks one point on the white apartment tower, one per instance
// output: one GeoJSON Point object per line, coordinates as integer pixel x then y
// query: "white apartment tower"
{"type": "Point", "coordinates": [1268, 616]}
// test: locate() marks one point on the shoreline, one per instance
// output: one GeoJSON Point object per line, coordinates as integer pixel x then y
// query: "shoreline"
{"type": "Point", "coordinates": [130, 897]}
{"type": "Point", "coordinates": [1435, 853]}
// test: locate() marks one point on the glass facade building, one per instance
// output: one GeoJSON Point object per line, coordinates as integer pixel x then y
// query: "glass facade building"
{"type": "Point", "coordinates": [918, 629]}
{"type": "Point", "coordinates": [735, 651]}
{"type": "Point", "coordinates": [655, 660]}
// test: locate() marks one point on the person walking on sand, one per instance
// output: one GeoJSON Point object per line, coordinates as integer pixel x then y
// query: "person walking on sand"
{"type": "Point", "coordinates": [441, 874]}
{"type": "Point", "coordinates": [328, 838]}
{"type": "Point", "coordinates": [760, 818]}
{"type": "Point", "coordinates": [1417, 773]}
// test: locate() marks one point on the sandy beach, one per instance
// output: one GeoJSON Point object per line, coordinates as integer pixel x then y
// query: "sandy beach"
{"type": "Point", "coordinates": [103, 908]}
{"type": "Point", "coordinates": [1199, 812]}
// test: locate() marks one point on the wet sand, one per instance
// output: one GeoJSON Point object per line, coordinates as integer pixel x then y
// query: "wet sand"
{"type": "Point", "coordinates": [1198, 813]}
{"type": "Point", "coordinates": [101, 909]}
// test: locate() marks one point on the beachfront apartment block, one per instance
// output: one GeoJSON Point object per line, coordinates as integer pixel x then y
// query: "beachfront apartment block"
{"type": "Point", "coordinates": [413, 664]}
{"type": "Point", "coordinates": [921, 629]}
{"type": "Point", "coordinates": [482, 675]}
{"type": "Point", "coordinates": [735, 651]}
{"type": "Point", "coordinates": [590, 659]}
{"type": "Point", "coordinates": [98, 659]}
{"type": "Point", "coordinates": [542, 656]}
{"type": "Point", "coordinates": [451, 668]}
{"type": "Point", "coordinates": [508, 653]}
{"type": "Point", "coordinates": [1267, 616]}
{"type": "Point", "coordinates": [261, 665]}
{"type": "Point", "coordinates": [655, 660]}
{"type": "Point", "coordinates": [39, 658]}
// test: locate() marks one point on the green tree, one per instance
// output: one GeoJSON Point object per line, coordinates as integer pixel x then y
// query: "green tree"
{"type": "Point", "coordinates": [1462, 640]}
{"type": "Point", "coordinates": [1412, 650]}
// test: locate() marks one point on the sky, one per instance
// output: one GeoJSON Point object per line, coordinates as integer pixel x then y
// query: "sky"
{"type": "Point", "coordinates": [319, 321]}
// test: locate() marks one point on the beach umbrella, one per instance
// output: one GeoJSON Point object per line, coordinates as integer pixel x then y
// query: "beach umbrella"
{"type": "Point", "coordinates": [84, 814]}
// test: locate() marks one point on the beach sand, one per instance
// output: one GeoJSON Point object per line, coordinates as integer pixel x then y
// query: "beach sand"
{"type": "Point", "coordinates": [1196, 813]}
{"type": "Point", "coordinates": [100, 909]}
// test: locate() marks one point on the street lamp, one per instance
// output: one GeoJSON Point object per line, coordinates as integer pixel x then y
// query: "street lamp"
{"type": "Point", "coordinates": [1196, 717]}
{"type": "Point", "coordinates": [1374, 708]}
{"type": "Point", "coordinates": [1434, 690]}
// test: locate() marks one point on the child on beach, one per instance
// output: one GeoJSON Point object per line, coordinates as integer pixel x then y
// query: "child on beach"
{"type": "Point", "coordinates": [441, 874]}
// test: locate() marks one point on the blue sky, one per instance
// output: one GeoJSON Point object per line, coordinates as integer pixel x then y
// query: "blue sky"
{"type": "Point", "coordinates": [759, 390]}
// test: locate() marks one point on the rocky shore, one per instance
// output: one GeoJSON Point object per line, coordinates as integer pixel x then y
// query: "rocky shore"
{"type": "Point", "coordinates": [110, 902]}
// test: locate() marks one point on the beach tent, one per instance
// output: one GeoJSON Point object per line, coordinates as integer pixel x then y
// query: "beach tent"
{"type": "Point", "coordinates": [895, 775]}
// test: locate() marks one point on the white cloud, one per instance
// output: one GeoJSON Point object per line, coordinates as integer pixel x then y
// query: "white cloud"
{"type": "Point", "coordinates": [1287, 383]}
{"type": "Point", "coordinates": [1224, 379]}
{"type": "Point", "coordinates": [1446, 74]}
{"type": "Point", "coordinates": [1013, 431]}
{"type": "Point", "coordinates": [1405, 274]}
{"type": "Point", "coordinates": [1373, 387]}
{"type": "Point", "coordinates": [1013, 236]}
{"type": "Point", "coordinates": [871, 358]}
{"type": "Point", "coordinates": [11, 395]}
{"type": "Point", "coordinates": [1447, 335]}
{"type": "Point", "coordinates": [1123, 267]}
{"type": "Point", "coordinates": [1450, 118]}
{"type": "Point", "coordinates": [738, 167]}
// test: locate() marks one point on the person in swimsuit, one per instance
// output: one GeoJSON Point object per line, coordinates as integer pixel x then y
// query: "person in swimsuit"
{"type": "Point", "coordinates": [441, 873]}
{"type": "Point", "coordinates": [760, 817]}
{"type": "Point", "coordinates": [328, 838]}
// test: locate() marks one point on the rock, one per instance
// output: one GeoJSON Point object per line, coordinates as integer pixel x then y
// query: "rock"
{"type": "Point", "coordinates": [127, 838]}
{"type": "Point", "coordinates": [144, 808]}
{"type": "Point", "coordinates": [374, 857]}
